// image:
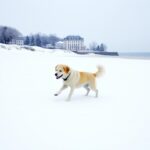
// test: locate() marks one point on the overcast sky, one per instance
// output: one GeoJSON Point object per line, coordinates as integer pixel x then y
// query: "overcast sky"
{"type": "Point", "coordinates": [123, 25]}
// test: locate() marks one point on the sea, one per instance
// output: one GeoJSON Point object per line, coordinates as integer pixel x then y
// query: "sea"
{"type": "Point", "coordinates": [143, 55]}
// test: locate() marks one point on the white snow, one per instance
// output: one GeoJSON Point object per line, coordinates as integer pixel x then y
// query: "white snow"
{"type": "Point", "coordinates": [31, 118]}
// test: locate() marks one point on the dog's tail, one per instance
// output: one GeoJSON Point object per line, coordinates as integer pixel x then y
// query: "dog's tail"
{"type": "Point", "coordinates": [100, 71]}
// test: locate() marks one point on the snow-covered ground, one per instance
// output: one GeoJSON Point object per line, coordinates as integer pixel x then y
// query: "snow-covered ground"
{"type": "Point", "coordinates": [31, 118]}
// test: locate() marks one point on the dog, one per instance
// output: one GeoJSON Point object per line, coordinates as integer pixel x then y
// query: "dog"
{"type": "Point", "coordinates": [75, 79]}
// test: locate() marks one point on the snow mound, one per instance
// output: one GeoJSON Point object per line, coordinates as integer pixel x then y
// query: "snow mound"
{"type": "Point", "coordinates": [58, 52]}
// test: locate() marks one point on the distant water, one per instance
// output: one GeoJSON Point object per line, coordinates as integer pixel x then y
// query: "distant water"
{"type": "Point", "coordinates": [135, 54]}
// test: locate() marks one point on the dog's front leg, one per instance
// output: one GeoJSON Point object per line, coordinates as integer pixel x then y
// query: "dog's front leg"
{"type": "Point", "coordinates": [61, 89]}
{"type": "Point", "coordinates": [70, 94]}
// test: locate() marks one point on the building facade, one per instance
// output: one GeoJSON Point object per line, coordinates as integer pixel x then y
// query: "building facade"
{"type": "Point", "coordinates": [73, 43]}
{"type": "Point", "coordinates": [49, 46]}
{"type": "Point", "coordinates": [17, 41]}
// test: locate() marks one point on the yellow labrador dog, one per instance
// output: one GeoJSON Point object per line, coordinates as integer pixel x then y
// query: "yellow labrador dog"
{"type": "Point", "coordinates": [74, 79]}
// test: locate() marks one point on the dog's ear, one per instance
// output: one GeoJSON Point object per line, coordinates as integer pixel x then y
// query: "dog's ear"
{"type": "Point", "coordinates": [66, 69]}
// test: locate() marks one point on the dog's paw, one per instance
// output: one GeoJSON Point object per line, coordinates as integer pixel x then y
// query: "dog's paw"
{"type": "Point", "coordinates": [56, 94]}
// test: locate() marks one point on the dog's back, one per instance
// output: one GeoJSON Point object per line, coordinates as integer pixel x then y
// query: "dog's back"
{"type": "Point", "coordinates": [86, 77]}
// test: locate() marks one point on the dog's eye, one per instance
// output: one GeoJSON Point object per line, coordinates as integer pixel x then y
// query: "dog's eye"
{"type": "Point", "coordinates": [60, 70]}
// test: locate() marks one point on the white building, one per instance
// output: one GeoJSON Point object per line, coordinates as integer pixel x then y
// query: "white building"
{"type": "Point", "coordinates": [59, 45]}
{"type": "Point", "coordinates": [50, 46]}
{"type": "Point", "coordinates": [17, 41]}
{"type": "Point", "coordinates": [74, 43]}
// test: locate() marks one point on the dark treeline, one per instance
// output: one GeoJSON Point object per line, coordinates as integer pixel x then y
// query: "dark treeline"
{"type": "Point", "coordinates": [7, 34]}
{"type": "Point", "coordinates": [41, 40]}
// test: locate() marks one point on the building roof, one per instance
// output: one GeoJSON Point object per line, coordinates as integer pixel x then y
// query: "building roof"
{"type": "Point", "coordinates": [73, 37]}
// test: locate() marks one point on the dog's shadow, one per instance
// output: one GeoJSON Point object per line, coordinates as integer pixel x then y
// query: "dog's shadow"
{"type": "Point", "coordinates": [78, 98]}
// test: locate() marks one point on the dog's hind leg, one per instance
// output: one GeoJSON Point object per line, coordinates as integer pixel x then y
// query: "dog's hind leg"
{"type": "Point", "coordinates": [96, 91]}
{"type": "Point", "coordinates": [87, 89]}
{"type": "Point", "coordinates": [93, 87]}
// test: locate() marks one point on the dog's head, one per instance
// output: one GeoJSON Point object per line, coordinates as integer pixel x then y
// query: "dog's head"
{"type": "Point", "coordinates": [62, 71]}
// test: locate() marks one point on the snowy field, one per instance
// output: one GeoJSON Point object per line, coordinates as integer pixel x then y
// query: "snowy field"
{"type": "Point", "coordinates": [31, 118]}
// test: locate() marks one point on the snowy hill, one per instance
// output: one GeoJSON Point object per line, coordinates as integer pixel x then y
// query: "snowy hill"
{"type": "Point", "coordinates": [31, 118]}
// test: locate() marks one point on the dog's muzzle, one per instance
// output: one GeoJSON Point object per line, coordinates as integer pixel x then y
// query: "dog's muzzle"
{"type": "Point", "coordinates": [57, 77]}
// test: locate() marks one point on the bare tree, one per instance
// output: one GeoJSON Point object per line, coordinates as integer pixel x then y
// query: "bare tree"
{"type": "Point", "coordinates": [93, 46]}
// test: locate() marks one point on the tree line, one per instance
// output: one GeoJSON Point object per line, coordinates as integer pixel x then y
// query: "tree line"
{"type": "Point", "coordinates": [97, 47]}
{"type": "Point", "coordinates": [41, 40]}
{"type": "Point", "coordinates": [7, 34]}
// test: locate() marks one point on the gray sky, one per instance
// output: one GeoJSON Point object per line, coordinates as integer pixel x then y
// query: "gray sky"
{"type": "Point", "coordinates": [124, 25]}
